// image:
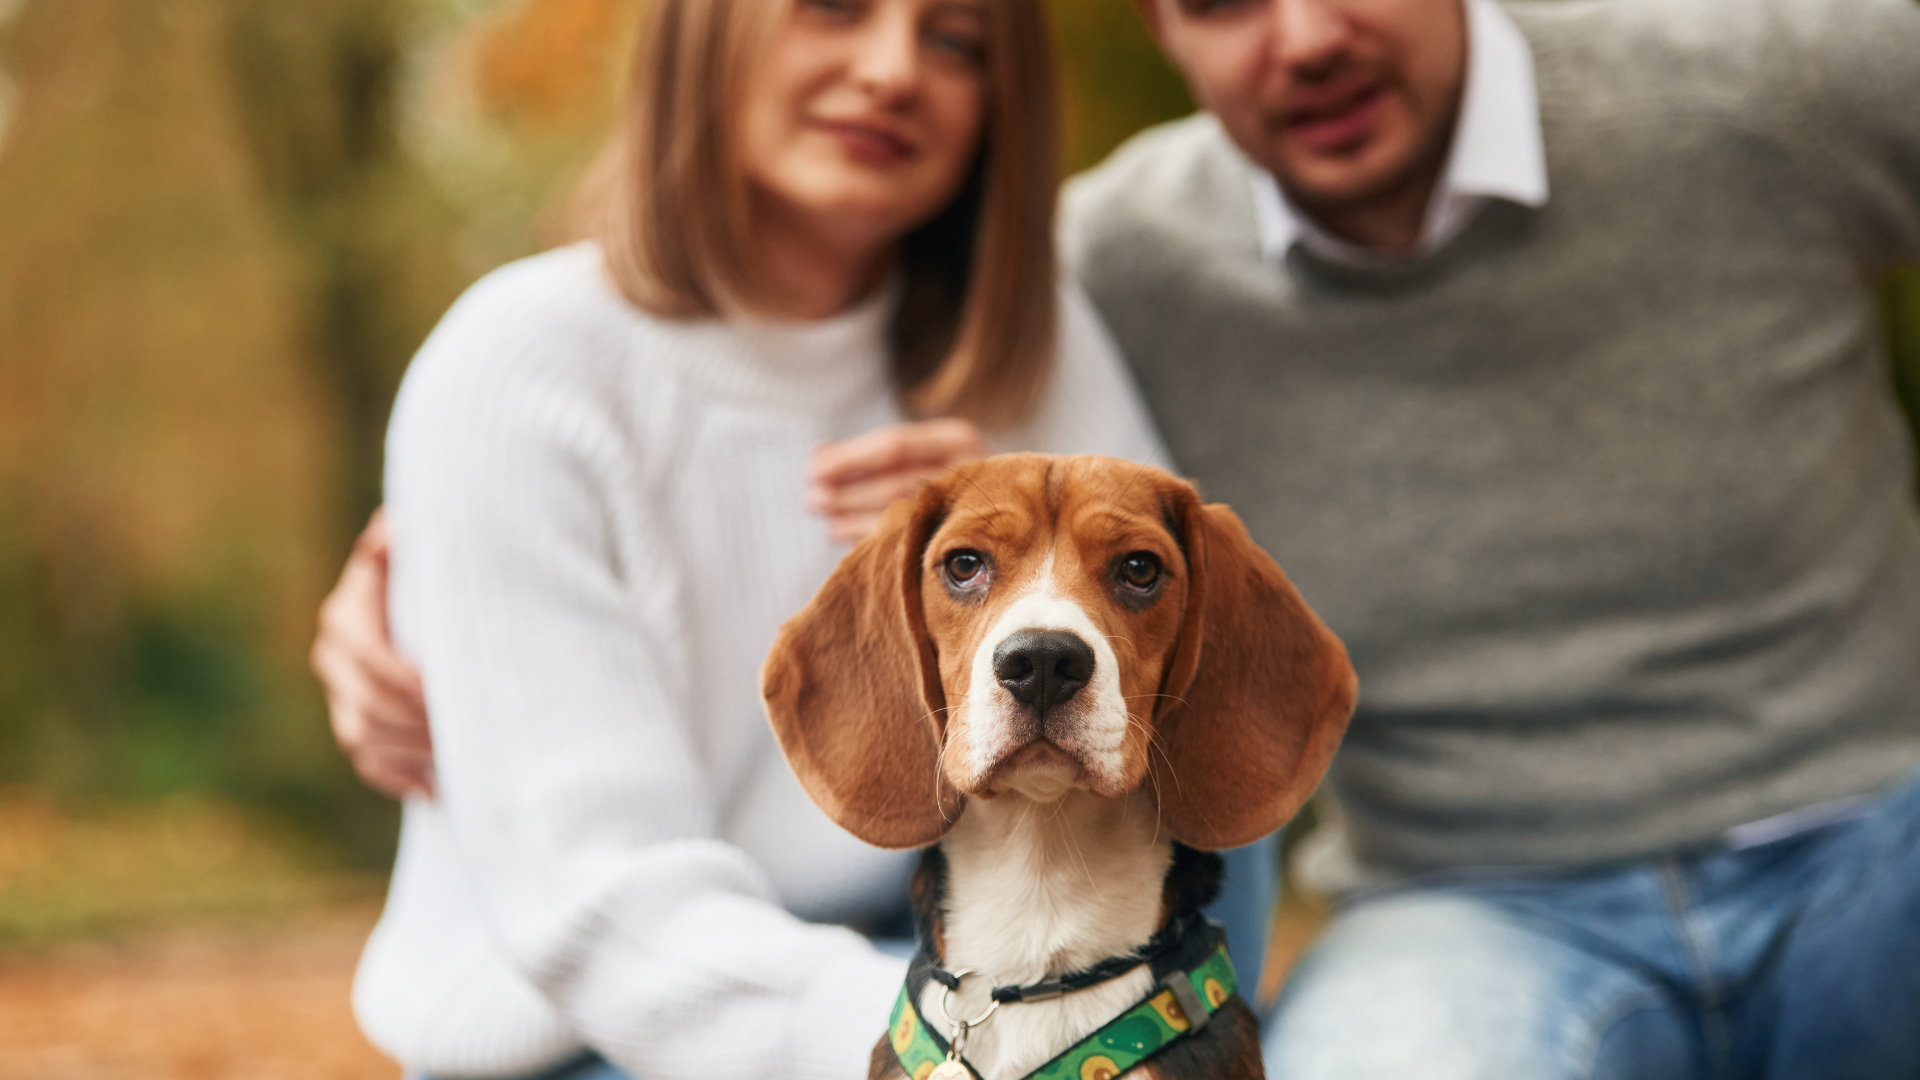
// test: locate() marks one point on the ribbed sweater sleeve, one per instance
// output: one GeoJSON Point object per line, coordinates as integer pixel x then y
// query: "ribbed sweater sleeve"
{"type": "Point", "coordinates": [534, 593]}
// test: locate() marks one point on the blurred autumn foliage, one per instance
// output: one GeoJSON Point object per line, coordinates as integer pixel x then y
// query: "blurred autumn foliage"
{"type": "Point", "coordinates": [224, 227]}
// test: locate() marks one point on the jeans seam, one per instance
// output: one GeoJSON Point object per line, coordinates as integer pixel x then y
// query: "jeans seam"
{"type": "Point", "coordinates": [1711, 999]}
{"type": "Point", "coordinates": [1635, 1003]}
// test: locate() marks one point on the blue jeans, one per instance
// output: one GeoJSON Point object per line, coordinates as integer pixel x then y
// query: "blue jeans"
{"type": "Point", "coordinates": [1248, 894]}
{"type": "Point", "coordinates": [1794, 958]}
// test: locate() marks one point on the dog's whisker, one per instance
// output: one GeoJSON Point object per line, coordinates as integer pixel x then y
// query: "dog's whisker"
{"type": "Point", "coordinates": [939, 766]}
{"type": "Point", "coordinates": [1151, 777]}
{"type": "Point", "coordinates": [1086, 869]}
{"type": "Point", "coordinates": [993, 506]}
{"type": "Point", "coordinates": [1159, 815]}
{"type": "Point", "coordinates": [1073, 848]}
{"type": "Point", "coordinates": [1155, 781]}
{"type": "Point", "coordinates": [1153, 744]}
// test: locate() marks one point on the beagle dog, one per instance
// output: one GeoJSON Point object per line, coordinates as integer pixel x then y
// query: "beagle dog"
{"type": "Point", "coordinates": [1079, 682]}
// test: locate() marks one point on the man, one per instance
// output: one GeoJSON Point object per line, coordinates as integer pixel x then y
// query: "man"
{"type": "Point", "coordinates": [1539, 344]}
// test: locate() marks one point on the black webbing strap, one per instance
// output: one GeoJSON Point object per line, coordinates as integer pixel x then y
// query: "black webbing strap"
{"type": "Point", "coordinates": [1183, 942]}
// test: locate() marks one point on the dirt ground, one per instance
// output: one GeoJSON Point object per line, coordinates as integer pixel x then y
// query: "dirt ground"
{"type": "Point", "coordinates": [263, 1004]}
{"type": "Point", "coordinates": [260, 1004]}
{"type": "Point", "coordinates": [186, 941]}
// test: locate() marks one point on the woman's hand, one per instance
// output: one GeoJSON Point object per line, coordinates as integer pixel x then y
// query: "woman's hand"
{"type": "Point", "coordinates": [374, 696]}
{"type": "Point", "coordinates": [852, 483]}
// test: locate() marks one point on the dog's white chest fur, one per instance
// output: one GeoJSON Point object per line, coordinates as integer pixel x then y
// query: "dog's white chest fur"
{"type": "Point", "coordinates": [1036, 890]}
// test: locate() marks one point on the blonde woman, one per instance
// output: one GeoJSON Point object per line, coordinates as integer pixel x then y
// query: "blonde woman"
{"type": "Point", "coordinates": [822, 218]}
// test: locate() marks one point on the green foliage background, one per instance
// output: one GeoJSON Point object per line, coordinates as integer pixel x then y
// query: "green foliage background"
{"type": "Point", "coordinates": [224, 227]}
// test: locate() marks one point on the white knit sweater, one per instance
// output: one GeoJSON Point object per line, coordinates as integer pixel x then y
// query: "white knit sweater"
{"type": "Point", "coordinates": [598, 527]}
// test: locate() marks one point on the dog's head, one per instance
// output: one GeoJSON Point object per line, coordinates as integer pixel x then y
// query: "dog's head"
{"type": "Point", "coordinates": [1037, 624]}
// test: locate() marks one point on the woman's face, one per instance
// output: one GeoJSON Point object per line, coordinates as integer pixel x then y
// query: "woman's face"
{"type": "Point", "coordinates": [862, 118]}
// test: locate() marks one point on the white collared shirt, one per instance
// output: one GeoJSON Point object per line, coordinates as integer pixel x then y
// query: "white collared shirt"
{"type": "Point", "coordinates": [1497, 153]}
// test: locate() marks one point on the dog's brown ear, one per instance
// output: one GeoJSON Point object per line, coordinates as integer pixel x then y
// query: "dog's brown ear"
{"type": "Point", "coordinates": [1256, 697]}
{"type": "Point", "coordinates": [853, 690]}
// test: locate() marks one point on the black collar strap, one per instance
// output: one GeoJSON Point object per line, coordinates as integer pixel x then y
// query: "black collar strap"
{"type": "Point", "coordinates": [1164, 942]}
{"type": "Point", "coordinates": [1192, 979]}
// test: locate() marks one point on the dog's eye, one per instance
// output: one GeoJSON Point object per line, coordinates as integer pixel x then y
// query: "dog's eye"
{"type": "Point", "coordinates": [1140, 570]}
{"type": "Point", "coordinates": [963, 566]}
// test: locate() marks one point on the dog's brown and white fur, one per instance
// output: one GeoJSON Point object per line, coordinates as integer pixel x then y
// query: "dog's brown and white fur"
{"type": "Point", "coordinates": [906, 698]}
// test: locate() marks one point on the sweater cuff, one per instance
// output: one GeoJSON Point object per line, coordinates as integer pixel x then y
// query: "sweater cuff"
{"type": "Point", "coordinates": [843, 1014]}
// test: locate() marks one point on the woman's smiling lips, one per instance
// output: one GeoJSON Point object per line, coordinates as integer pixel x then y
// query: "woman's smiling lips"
{"type": "Point", "coordinates": [866, 142]}
{"type": "Point", "coordinates": [1336, 125]}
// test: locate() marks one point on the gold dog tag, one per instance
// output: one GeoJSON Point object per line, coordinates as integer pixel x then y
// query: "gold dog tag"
{"type": "Point", "coordinates": [950, 1070]}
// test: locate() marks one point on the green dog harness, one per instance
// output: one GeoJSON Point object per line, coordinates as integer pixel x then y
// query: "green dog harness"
{"type": "Point", "coordinates": [1181, 1002]}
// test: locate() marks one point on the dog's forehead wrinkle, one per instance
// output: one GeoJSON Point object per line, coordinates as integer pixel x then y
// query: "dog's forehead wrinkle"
{"type": "Point", "coordinates": [1099, 556]}
{"type": "Point", "coordinates": [1109, 482]}
{"type": "Point", "coordinates": [967, 477]}
{"type": "Point", "coordinates": [1116, 518]}
{"type": "Point", "coordinates": [994, 526]}
{"type": "Point", "coordinates": [1139, 477]}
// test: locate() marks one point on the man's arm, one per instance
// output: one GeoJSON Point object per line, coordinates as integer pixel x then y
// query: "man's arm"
{"type": "Point", "coordinates": [374, 700]}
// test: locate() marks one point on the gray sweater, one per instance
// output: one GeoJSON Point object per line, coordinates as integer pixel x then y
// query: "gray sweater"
{"type": "Point", "coordinates": [1610, 501]}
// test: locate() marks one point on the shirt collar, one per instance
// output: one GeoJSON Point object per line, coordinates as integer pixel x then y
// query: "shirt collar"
{"type": "Point", "coordinates": [1497, 152]}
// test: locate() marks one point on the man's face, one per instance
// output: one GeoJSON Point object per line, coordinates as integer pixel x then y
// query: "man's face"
{"type": "Point", "coordinates": [1344, 101]}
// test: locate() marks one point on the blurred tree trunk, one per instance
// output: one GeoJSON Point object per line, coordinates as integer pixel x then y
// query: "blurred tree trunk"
{"type": "Point", "coordinates": [316, 89]}
{"type": "Point", "coordinates": [214, 262]}
{"type": "Point", "coordinates": [1114, 80]}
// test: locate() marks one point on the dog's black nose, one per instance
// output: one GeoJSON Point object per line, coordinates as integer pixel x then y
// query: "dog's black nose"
{"type": "Point", "coordinates": [1043, 668]}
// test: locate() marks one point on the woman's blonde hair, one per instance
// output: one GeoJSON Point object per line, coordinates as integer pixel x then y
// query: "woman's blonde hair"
{"type": "Point", "coordinates": [973, 334]}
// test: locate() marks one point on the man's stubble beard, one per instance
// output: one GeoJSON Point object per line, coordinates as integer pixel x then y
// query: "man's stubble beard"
{"type": "Point", "coordinates": [1417, 178]}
